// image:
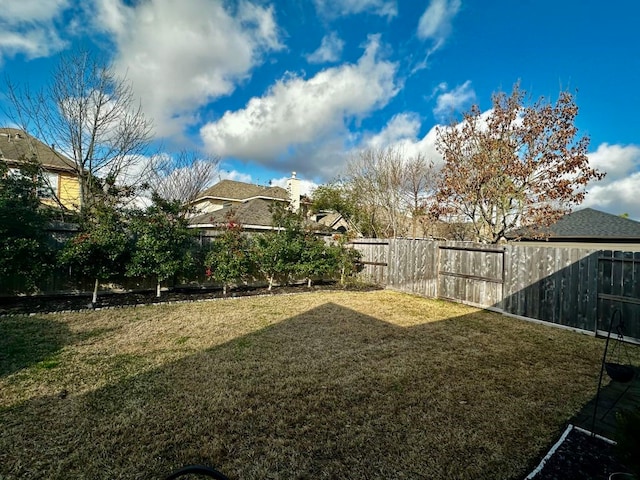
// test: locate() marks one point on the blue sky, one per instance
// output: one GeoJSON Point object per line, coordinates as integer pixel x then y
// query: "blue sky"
{"type": "Point", "coordinates": [282, 85]}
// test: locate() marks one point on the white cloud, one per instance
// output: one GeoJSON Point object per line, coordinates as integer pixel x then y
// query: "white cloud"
{"type": "Point", "coordinates": [435, 22]}
{"type": "Point", "coordinates": [401, 133]}
{"type": "Point", "coordinates": [297, 114]}
{"type": "Point", "coordinates": [234, 175]}
{"type": "Point", "coordinates": [335, 8]}
{"type": "Point", "coordinates": [109, 16]}
{"type": "Point", "coordinates": [329, 50]}
{"type": "Point", "coordinates": [306, 186]}
{"type": "Point", "coordinates": [618, 192]}
{"type": "Point", "coordinates": [31, 11]}
{"type": "Point", "coordinates": [29, 27]}
{"type": "Point", "coordinates": [135, 170]}
{"type": "Point", "coordinates": [617, 197]}
{"type": "Point", "coordinates": [180, 56]}
{"type": "Point", "coordinates": [618, 161]}
{"type": "Point", "coordinates": [453, 100]}
{"type": "Point", "coordinates": [261, 23]}
{"type": "Point", "coordinates": [401, 126]}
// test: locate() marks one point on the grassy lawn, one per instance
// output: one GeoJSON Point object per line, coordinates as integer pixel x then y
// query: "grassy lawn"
{"type": "Point", "coordinates": [343, 385]}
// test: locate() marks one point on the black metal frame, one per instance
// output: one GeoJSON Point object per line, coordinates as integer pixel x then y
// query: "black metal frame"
{"type": "Point", "coordinates": [197, 470]}
{"type": "Point", "coordinates": [617, 372]}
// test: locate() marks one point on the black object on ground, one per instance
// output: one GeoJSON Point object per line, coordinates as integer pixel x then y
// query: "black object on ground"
{"type": "Point", "coordinates": [199, 470]}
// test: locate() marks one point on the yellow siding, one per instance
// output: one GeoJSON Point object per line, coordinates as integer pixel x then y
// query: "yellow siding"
{"type": "Point", "coordinates": [69, 191]}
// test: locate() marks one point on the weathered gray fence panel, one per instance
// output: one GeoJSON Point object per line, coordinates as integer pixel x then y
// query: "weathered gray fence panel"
{"type": "Point", "coordinates": [575, 287]}
{"type": "Point", "coordinates": [619, 278]}
{"type": "Point", "coordinates": [471, 274]}
{"type": "Point", "coordinates": [414, 266]}
{"type": "Point", "coordinates": [374, 258]}
{"type": "Point", "coordinates": [556, 285]}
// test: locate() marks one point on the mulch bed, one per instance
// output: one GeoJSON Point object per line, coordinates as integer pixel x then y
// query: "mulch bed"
{"type": "Point", "coordinates": [21, 305]}
{"type": "Point", "coordinates": [582, 457]}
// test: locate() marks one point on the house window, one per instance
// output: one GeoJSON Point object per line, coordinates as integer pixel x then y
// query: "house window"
{"type": "Point", "coordinates": [49, 186]}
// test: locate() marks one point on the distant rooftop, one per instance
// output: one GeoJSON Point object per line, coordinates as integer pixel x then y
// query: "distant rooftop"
{"type": "Point", "coordinates": [256, 212]}
{"type": "Point", "coordinates": [233, 190]}
{"type": "Point", "coordinates": [585, 224]}
{"type": "Point", "coordinates": [15, 144]}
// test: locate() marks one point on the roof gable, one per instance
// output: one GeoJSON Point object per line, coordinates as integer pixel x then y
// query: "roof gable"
{"type": "Point", "coordinates": [241, 191]}
{"type": "Point", "coordinates": [15, 144]}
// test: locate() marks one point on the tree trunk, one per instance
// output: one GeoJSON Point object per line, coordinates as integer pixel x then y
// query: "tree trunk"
{"type": "Point", "coordinates": [94, 299]}
{"type": "Point", "coordinates": [158, 289]}
{"type": "Point", "coordinates": [224, 289]}
{"type": "Point", "coordinates": [309, 282]}
{"type": "Point", "coordinates": [270, 282]}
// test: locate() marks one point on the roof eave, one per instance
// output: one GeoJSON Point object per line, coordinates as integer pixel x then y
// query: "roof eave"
{"type": "Point", "coordinates": [578, 238]}
{"type": "Point", "coordinates": [218, 226]}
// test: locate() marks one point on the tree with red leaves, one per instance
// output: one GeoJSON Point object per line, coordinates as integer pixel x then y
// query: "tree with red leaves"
{"type": "Point", "coordinates": [515, 166]}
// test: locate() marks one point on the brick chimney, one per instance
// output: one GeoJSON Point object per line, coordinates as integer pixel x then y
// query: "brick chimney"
{"type": "Point", "coordinates": [293, 187]}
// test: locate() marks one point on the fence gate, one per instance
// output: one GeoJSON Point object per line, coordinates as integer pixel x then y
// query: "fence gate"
{"type": "Point", "coordinates": [471, 274]}
{"type": "Point", "coordinates": [619, 288]}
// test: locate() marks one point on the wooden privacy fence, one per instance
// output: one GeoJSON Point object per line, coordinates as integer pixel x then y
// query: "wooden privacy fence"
{"type": "Point", "coordinates": [619, 287]}
{"type": "Point", "coordinates": [471, 274]}
{"type": "Point", "coordinates": [574, 287]}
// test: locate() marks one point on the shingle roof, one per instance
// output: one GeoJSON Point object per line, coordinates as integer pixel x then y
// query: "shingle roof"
{"type": "Point", "coordinates": [230, 189]}
{"type": "Point", "coordinates": [253, 212]}
{"type": "Point", "coordinates": [330, 219]}
{"type": "Point", "coordinates": [16, 144]}
{"type": "Point", "coordinates": [588, 224]}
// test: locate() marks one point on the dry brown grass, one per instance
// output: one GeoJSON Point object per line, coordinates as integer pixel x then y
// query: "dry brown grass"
{"type": "Point", "coordinates": [328, 385]}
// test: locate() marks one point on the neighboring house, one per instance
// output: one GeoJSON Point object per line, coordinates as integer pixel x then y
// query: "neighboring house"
{"type": "Point", "coordinates": [59, 172]}
{"type": "Point", "coordinates": [587, 227]}
{"type": "Point", "coordinates": [229, 193]}
{"type": "Point", "coordinates": [247, 204]}
{"type": "Point", "coordinates": [255, 215]}
{"type": "Point", "coordinates": [334, 221]}
{"type": "Point", "coordinates": [252, 207]}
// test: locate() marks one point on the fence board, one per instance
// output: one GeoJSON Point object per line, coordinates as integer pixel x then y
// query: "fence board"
{"type": "Point", "coordinates": [576, 287]}
{"type": "Point", "coordinates": [374, 256]}
{"type": "Point", "coordinates": [471, 274]}
{"type": "Point", "coordinates": [619, 272]}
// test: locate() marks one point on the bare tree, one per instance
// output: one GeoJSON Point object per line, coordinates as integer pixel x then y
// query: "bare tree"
{"type": "Point", "coordinates": [518, 166]}
{"type": "Point", "coordinates": [92, 117]}
{"type": "Point", "coordinates": [419, 185]}
{"type": "Point", "coordinates": [183, 176]}
{"type": "Point", "coordinates": [376, 178]}
{"type": "Point", "coordinates": [392, 188]}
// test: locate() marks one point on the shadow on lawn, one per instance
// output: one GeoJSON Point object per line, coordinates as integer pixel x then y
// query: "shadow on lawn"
{"type": "Point", "coordinates": [25, 341]}
{"type": "Point", "coordinates": [331, 393]}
